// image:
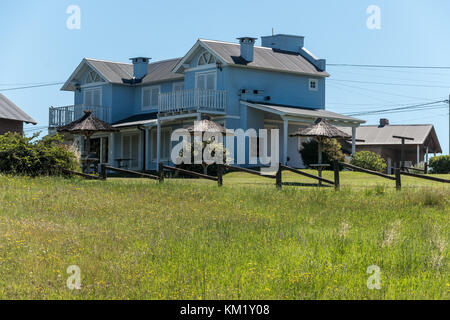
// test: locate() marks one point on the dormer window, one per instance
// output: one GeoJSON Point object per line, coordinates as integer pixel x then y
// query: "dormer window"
{"type": "Point", "coordinates": [313, 85]}
{"type": "Point", "coordinates": [206, 58]}
{"type": "Point", "coordinates": [93, 77]}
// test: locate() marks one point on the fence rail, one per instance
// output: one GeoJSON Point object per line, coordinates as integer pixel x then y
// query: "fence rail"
{"type": "Point", "coordinates": [61, 116]}
{"type": "Point", "coordinates": [191, 173]}
{"type": "Point", "coordinates": [427, 177]}
{"type": "Point", "coordinates": [105, 168]}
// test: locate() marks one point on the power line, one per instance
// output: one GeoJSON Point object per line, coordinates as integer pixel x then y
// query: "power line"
{"type": "Point", "coordinates": [385, 66]}
{"type": "Point", "coordinates": [416, 107]}
{"type": "Point", "coordinates": [35, 86]}
{"type": "Point", "coordinates": [391, 83]}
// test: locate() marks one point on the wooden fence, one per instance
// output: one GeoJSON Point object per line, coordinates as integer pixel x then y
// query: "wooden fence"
{"type": "Point", "coordinates": [278, 176]}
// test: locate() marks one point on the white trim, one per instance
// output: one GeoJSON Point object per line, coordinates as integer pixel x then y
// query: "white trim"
{"type": "Point", "coordinates": [202, 67]}
{"type": "Point", "coordinates": [130, 134]}
{"type": "Point", "coordinates": [153, 133]}
{"type": "Point", "coordinates": [192, 51]}
{"type": "Point", "coordinates": [206, 73]}
{"type": "Point", "coordinates": [178, 84]}
{"type": "Point", "coordinates": [93, 88]}
{"type": "Point", "coordinates": [151, 107]}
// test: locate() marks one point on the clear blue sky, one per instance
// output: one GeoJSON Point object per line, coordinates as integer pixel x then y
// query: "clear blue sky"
{"type": "Point", "coordinates": [37, 47]}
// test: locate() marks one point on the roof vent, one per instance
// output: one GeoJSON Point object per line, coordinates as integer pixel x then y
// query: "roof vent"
{"type": "Point", "coordinates": [140, 67]}
{"type": "Point", "coordinates": [247, 48]}
{"type": "Point", "coordinates": [384, 122]}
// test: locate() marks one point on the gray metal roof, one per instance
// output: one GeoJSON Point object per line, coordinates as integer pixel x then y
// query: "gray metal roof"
{"type": "Point", "coordinates": [264, 58]}
{"type": "Point", "coordinates": [376, 135]}
{"type": "Point", "coordinates": [137, 120]}
{"type": "Point", "coordinates": [309, 113]}
{"type": "Point", "coordinates": [115, 72]}
{"type": "Point", "coordinates": [8, 110]}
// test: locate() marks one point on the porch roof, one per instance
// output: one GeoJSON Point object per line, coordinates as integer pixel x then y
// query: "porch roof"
{"type": "Point", "coordinates": [308, 114]}
{"type": "Point", "coordinates": [137, 120]}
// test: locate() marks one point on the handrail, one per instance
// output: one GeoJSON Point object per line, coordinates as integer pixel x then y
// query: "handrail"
{"type": "Point", "coordinates": [60, 116]}
{"type": "Point", "coordinates": [192, 99]}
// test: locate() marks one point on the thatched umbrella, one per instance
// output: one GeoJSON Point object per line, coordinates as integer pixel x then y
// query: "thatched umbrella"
{"type": "Point", "coordinates": [320, 130]}
{"type": "Point", "coordinates": [206, 125]}
{"type": "Point", "coordinates": [87, 125]}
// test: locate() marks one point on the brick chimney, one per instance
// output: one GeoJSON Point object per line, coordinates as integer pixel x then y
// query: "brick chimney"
{"type": "Point", "coordinates": [384, 122]}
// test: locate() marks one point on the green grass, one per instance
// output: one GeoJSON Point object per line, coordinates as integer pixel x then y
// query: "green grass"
{"type": "Point", "coordinates": [189, 239]}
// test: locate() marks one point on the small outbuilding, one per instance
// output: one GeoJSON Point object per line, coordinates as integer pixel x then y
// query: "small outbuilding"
{"type": "Point", "coordinates": [381, 139]}
{"type": "Point", "coordinates": [12, 117]}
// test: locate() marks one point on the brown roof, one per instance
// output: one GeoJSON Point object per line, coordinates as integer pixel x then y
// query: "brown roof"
{"type": "Point", "coordinates": [422, 134]}
{"type": "Point", "coordinates": [8, 110]}
{"type": "Point", "coordinates": [206, 126]}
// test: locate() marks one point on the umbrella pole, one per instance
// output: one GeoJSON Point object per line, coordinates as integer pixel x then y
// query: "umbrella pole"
{"type": "Point", "coordinates": [319, 148]}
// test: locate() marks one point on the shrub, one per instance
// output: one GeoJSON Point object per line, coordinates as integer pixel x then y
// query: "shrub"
{"type": "Point", "coordinates": [440, 164]}
{"type": "Point", "coordinates": [20, 155]}
{"type": "Point", "coordinates": [331, 150]}
{"type": "Point", "coordinates": [369, 160]}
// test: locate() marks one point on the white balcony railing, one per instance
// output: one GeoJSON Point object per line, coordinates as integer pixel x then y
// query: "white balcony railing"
{"type": "Point", "coordinates": [61, 116]}
{"type": "Point", "coordinates": [192, 100]}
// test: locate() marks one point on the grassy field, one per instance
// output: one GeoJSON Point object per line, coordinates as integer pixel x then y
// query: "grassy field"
{"type": "Point", "coordinates": [189, 239]}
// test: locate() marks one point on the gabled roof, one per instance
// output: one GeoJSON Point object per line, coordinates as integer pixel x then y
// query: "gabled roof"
{"type": "Point", "coordinates": [264, 58]}
{"type": "Point", "coordinates": [8, 110]}
{"type": "Point", "coordinates": [376, 135]}
{"type": "Point", "coordinates": [116, 72]}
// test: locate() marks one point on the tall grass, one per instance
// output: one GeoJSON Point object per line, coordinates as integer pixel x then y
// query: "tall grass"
{"type": "Point", "coordinates": [136, 239]}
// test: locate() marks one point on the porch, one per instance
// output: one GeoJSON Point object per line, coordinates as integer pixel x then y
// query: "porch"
{"type": "Point", "coordinates": [61, 116]}
{"type": "Point", "coordinates": [193, 100]}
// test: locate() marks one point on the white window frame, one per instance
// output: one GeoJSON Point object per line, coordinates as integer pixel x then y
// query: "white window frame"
{"type": "Point", "coordinates": [210, 56]}
{"type": "Point", "coordinates": [130, 134]}
{"type": "Point", "coordinates": [96, 74]}
{"type": "Point", "coordinates": [145, 108]}
{"type": "Point", "coordinates": [178, 84]}
{"type": "Point", "coordinates": [154, 134]}
{"type": "Point", "coordinates": [316, 81]}
{"type": "Point", "coordinates": [205, 73]}
{"type": "Point", "coordinates": [93, 89]}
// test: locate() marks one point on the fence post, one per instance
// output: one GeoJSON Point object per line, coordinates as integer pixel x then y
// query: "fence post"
{"type": "Point", "coordinates": [278, 177]}
{"type": "Point", "coordinates": [220, 175]}
{"type": "Point", "coordinates": [398, 179]}
{"type": "Point", "coordinates": [336, 175]}
{"type": "Point", "coordinates": [161, 172]}
{"type": "Point", "coordinates": [425, 168]}
{"type": "Point", "coordinates": [103, 173]}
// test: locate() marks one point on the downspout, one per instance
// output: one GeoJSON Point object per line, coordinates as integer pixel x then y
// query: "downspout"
{"type": "Point", "coordinates": [144, 146]}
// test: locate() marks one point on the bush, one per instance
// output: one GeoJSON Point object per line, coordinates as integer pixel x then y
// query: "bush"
{"type": "Point", "coordinates": [369, 160]}
{"type": "Point", "coordinates": [440, 164]}
{"type": "Point", "coordinates": [20, 155]}
{"type": "Point", "coordinates": [331, 150]}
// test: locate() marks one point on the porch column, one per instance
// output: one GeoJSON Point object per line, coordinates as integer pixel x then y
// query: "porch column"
{"type": "Point", "coordinates": [158, 143]}
{"type": "Point", "coordinates": [418, 153]}
{"type": "Point", "coordinates": [111, 149]}
{"type": "Point", "coordinates": [426, 156]}
{"type": "Point", "coordinates": [285, 141]}
{"type": "Point", "coordinates": [353, 140]}
{"type": "Point", "coordinates": [147, 148]}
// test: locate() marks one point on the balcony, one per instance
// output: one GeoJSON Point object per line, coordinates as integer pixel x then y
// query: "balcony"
{"type": "Point", "coordinates": [194, 100]}
{"type": "Point", "coordinates": [61, 116]}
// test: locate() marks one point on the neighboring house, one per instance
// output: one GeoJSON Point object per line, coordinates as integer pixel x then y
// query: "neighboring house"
{"type": "Point", "coordinates": [379, 139]}
{"type": "Point", "coordinates": [12, 117]}
{"type": "Point", "coordinates": [239, 85]}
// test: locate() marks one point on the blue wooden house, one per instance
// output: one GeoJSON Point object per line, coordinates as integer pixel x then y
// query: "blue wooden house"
{"type": "Point", "coordinates": [278, 85]}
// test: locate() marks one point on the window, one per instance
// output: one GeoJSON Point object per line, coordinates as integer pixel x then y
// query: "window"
{"type": "Point", "coordinates": [206, 80]}
{"type": "Point", "coordinates": [166, 144]}
{"type": "Point", "coordinates": [178, 86]}
{"type": "Point", "coordinates": [130, 149]}
{"type": "Point", "coordinates": [150, 97]}
{"type": "Point", "coordinates": [206, 58]}
{"type": "Point", "coordinates": [93, 77]}
{"type": "Point", "coordinates": [313, 84]}
{"type": "Point", "coordinates": [93, 97]}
